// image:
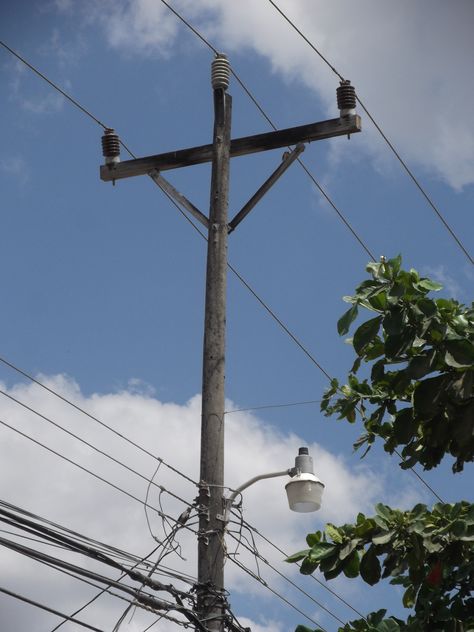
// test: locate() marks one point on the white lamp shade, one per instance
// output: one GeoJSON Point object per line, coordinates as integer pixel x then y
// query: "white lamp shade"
{"type": "Point", "coordinates": [304, 493]}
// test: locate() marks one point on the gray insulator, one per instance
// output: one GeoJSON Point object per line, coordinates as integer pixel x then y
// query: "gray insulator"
{"type": "Point", "coordinates": [220, 72]}
{"type": "Point", "coordinates": [110, 146]}
{"type": "Point", "coordinates": [346, 98]}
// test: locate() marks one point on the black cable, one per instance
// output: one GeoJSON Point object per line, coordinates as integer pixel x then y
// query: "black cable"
{"type": "Point", "coordinates": [266, 406]}
{"type": "Point", "coordinates": [277, 594]}
{"type": "Point", "coordinates": [48, 609]}
{"type": "Point", "coordinates": [111, 550]}
{"type": "Point", "coordinates": [93, 447]}
{"type": "Point", "coordinates": [101, 423]}
{"type": "Point", "coordinates": [286, 578]}
{"type": "Point", "coordinates": [52, 84]}
{"type": "Point", "coordinates": [381, 132]}
{"type": "Point", "coordinates": [322, 584]}
{"type": "Point", "coordinates": [84, 469]}
{"type": "Point", "coordinates": [32, 527]}
{"type": "Point", "coordinates": [274, 127]}
{"type": "Point", "coordinates": [242, 280]}
{"type": "Point", "coordinates": [144, 598]}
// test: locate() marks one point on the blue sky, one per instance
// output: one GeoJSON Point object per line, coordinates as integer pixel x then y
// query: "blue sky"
{"type": "Point", "coordinates": [103, 286]}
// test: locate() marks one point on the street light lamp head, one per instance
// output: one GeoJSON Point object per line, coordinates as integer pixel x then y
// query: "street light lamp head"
{"type": "Point", "coordinates": [305, 490]}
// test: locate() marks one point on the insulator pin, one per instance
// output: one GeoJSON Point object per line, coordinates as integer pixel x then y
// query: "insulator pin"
{"type": "Point", "coordinates": [346, 98]}
{"type": "Point", "coordinates": [220, 72]}
{"type": "Point", "coordinates": [110, 146]}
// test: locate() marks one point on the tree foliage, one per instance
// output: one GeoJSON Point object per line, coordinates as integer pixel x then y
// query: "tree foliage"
{"type": "Point", "coordinates": [419, 397]}
{"type": "Point", "coordinates": [420, 350]}
{"type": "Point", "coordinates": [429, 553]}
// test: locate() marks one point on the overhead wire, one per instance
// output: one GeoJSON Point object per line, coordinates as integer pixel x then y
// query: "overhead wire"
{"type": "Point", "coordinates": [266, 406]}
{"type": "Point", "coordinates": [84, 469]}
{"type": "Point", "coordinates": [274, 127]}
{"type": "Point", "coordinates": [396, 153]}
{"type": "Point", "coordinates": [91, 446]}
{"type": "Point", "coordinates": [239, 276]}
{"type": "Point", "coordinates": [94, 418]}
{"type": "Point", "coordinates": [272, 314]}
{"type": "Point", "coordinates": [277, 594]}
{"type": "Point", "coordinates": [34, 528]}
{"type": "Point", "coordinates": [36, 604]}
{"type": "Point", "coordinates": [235, 272]}
{"type": "Point", "coordinates": [255, 552]}
{"type": "Point", "coordinates": [318, 581]}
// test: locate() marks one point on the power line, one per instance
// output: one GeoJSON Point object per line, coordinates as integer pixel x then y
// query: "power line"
{"type": "Point", "coordinates": [285, 577]}
{"type": "Point", "coordinates": [93, 447]}
{"type": "Point", "coordinates": [84, 469]}
{"type": "Point", "coordinates": [53, 85]}
{"type": "Point", "coordinates": [48, 609]}
{"type": "Point", "coordinates": [94, 418]}
{"type": "Point", "coordinates": [382, 133]}
{"type": "Point", "coordinates": [266, 406]}
{"type": "Point", "coordinates": [241, 279]}
{"type": "Point", "coordinates": [323, 585]}
{"type": "Point", "coordinates": [144, 598]}
{"type": "Point", "coordinates": [274, 127]}
{"type": "Point", "coordinates": [34, 528]}
{"type": "Point", "coordinates": [276, 593]}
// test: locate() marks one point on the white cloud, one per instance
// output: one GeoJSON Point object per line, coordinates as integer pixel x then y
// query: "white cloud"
{"type": "Point", "coordinates": [45, 101]}
{"type": "Point", "coordinates": [266, 625]}
{"type": "Point", "coordinates": [407, 61]}
{"type": "Point", "coordinates": [41, 482]}
{"type": "Point", "coordinates": [136, 26]}
{"type": "Point", "coordinates": [441, 275]}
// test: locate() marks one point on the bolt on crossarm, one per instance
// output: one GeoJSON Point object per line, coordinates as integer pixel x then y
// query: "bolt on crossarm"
{"type": "Point", "coordinates": [210, 589]}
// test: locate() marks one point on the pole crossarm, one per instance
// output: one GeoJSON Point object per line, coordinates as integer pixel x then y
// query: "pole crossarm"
{"type": "Point", "coordinates": [288, 159]}
{"type": "Point", "coordinates": [238, 147]}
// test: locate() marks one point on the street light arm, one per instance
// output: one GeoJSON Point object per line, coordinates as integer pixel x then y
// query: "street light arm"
{"type": "Point", "coordinates": [229, 501]}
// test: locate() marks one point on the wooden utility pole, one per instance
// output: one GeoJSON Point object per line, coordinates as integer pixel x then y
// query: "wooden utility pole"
{"type": "Point", "coordinates": [211, 602]}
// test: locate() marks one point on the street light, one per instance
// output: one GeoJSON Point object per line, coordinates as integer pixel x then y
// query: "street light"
{"type": "Point", "coordinates": [304, 491]}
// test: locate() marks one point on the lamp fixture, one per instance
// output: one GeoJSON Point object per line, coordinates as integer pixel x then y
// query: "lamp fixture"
{"type": "Point", "coordinates": [304, 491]}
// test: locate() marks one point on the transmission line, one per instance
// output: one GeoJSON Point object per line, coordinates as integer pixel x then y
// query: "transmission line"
{"type": "Point", "coordinates": [48, 609]}
{"type": "Point", "coordinates": [94, 418]}
{"type": "Point", "coordinates": [84, 469]}
{"type": "Point", "coordinates": [396, 153]}
{"type": "Point", "coordinates": [92, 446]}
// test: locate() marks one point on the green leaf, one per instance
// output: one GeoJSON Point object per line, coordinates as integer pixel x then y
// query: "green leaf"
{"type": "Point", "coordinates": [404, 425]}
{"type": "Point", "coordinates": [313, 538]}
{"type": "Point", "coordinates": [389, 625]}
{"type": "Point", "coordinates": [427, 284]}
{"type": "Point", "coordinates": [393, 323]}
{"type": "Point", "coordinates": [321, 550]}
{"type": "Point", "coordinates": [366, 333]}
{"type": "Point", "coordinates": [334, 533]}
{"type": "Point", "coordinates": [346, 320]}
{"type": "Point", "coordinates": [296, 557]}
{"type": "Point", "coordinates": [304, 628]}
{"type": "Point", "coordinates": [308, 567]}
{"type": "Point", "coordinates": [384, 512]}
{"type": "Point", "coordinates": [397, 344]}
{"type": "Point", "coordinates": [459, 354]}
{"type": "Point", "coordinates": [370, 570]}
{"type": "Point", "coordinates": [383, 538]}
{"type": "Point", "coordinates": [351, 565]}
{"type": "Point", "coordinates": [420, 365]}
{"type": "Point", "coordinates": [427, 395]}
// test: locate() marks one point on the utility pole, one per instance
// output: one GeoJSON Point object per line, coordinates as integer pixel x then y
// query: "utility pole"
{"type": "Point", "coordinates": [211, 601]}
